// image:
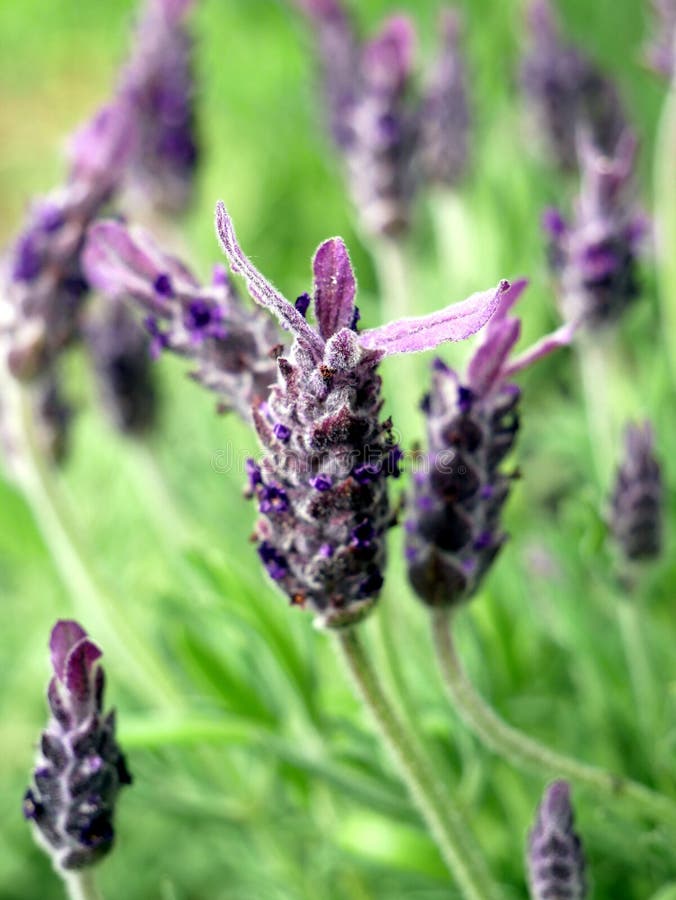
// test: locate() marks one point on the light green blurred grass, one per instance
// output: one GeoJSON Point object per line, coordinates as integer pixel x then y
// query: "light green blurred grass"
{"type": "Point", "coordinates": [266, 781]}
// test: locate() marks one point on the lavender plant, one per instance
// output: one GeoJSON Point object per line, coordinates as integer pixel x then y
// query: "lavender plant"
{"type": "Point", "coordinates": [555, 859]}
{"type": "Point", "coordinates": [660, 53]}
{"type": "Point", "coordinates": [595, 256]}
{"type": "Point", "coordinates": [636, 502]}
{"type": "Point", "coordinates": [566, 92]}
{"type": "Point", "coordinates": [321, 488]}
{"type": "Point", "coordinates": [80, 768]}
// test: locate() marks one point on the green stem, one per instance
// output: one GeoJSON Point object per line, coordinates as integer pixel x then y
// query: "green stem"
{"type": "Point", "coordinates": [665, 222]}
{"type": "Point", "coordinates": [638, 664]}
{"type": "Point", "coordinates": [592, 357]}
{"type": "Point", "coordinates": [522, 750]}
{"type": "Point", "coordinates": [81, 885]}
{"type": "Point", "coordinates": [450, 833]}
{"type": "Point", "coordinates": [90, 600]}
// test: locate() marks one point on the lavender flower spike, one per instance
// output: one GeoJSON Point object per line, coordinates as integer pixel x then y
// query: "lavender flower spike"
{"type": "Point", "coordinates": [230, 345]}
{"type": "Point", "coordinates": [443, 121]}
{"type": "Point", "coordinates": [80, 768]}
{"type": "Point", "coordinates": [636, 505]}
{"type": "Point", "coordinates": [594, 258]}
{"type": "Point", "coordinates": [566, 92]}
{"type": "Point", "coordinates": [45, 287]}
{"type": "Point", "coordinates": [158, 83]}
{"type": "Point", "coordinates": [322, 485]}
{"type": "Point", "coordinates": [453, 532]}
{"type": "Point", "coordinates": [555, 859]}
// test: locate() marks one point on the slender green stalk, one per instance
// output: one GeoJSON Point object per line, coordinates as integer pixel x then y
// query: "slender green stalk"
{"type": "Point", "coordinates": [638, 663]}
{"type": "Point", "coordinates": [82, 885]}
{"type": "Point", "coordinates": [665, 221]}
{"type": "Point", "coordinates": [522, 750]}
{"type": "Point", "coordinates": [592, 358]}
{"type": "Point", "coordinates": [90, 600]}
{"type": "Point", "coordinates": [451, 835]}
{"type": "Point", "coordinates": [456, 240]}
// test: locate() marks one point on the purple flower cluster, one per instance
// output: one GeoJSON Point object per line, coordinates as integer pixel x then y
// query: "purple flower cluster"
{"type": "Point", "coordinates": [80, 769]}
{"type": "Point", "coordinates": [453, 531]}
{"type": "Point", "coordinates": [555, 859]}
{"type": "Point", "coordinates": [232, 347]}
{"type": "Point", "coordinates": [158, 84]}
{"type": "Point", "coordinates": [636, 503]}
{"type": "Point", "coordinates": [566, 92]}
{"type": "Point", "coordinates": [321, 487]}
{"type": "Point", "coordinates": [594, 257]}
{"type": "Point", "coordinates": [387, 136]}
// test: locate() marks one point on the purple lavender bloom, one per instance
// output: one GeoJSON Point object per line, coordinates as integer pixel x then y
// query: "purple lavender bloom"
{"type": "Point", "coordinates": [45, 287]}
{"type": "Point", "coordinates": [661, 52]}
{"type": "Point", "coordinates": [231, 346]}
{"type": "Point", "coordinates": [566, 92]}
{"type": "Point", "coordinates": [366, 86]}
{"type": "Point", "coordinates": [443, 120]}
{"type": "Point", "coordinates": [80, 768]}
{"type": "Point", "coordinates": [595, 256]}
{"type": "Point", "coordinates": [120, 350]}
{"type": "Point", "coordinates": [322, 542]}
{"type": "Point", "coordinates": [555, 859]}
{"type": "Point", "coordinates": [159, 85]}
{"type": "Point", "coordinates": [453, 527]}
{"type": "Point", "coordinates": [637, 501]}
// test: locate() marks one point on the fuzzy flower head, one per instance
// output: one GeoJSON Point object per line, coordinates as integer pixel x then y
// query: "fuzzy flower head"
{"type": "Point", "coordinates": [321, 487]}
{"type": "Point", "coordinates": [158, 83]}
{"type": "Point", "coordinates": [566, 92]}
{"type": "Point", "coordinates": [45, 286]}
{"type": "Point", "coordinates": [453, 531]}
{"type": "Point", "coordinates": [231, 346]}
{"type": "Point", "coordinates": [80, 769]}
{"type": "Point", "coordinates": [555, 859]}
{"type": "Point", "coordinates": [595, 256]}
{"type": "Point", "coordinates": [637, 501]}
{"type": "Point", "coordinates": [443, 119]}
{"type": "Point", "coordinates": [661, 52]}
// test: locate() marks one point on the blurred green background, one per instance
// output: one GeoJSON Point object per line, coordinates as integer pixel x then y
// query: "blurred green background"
{"type": "Point", "coordinates": [257, 776]}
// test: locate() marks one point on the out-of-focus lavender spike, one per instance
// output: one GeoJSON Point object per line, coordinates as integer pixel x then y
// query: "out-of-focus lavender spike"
{"type": "Point", "coordinates": [566, 92]}
{"type": "Point", "coordinates": [52, 416]}
{"type": "Point", "coordinates": [158, 82]}
{"type": "Point", "coordinates": [661, 51]}
{"type": "Point", "coordinates": [637, 502]}
{"type": "Point", "coordinates": [322, 485]}
{"type": "Point", "coordinates": [444, 120]}
{"type": "Point", "coordinates": [594, 257]}
{"type": "Point", "coordinates": [80, 768]}
{"type": "Point", "coordinates": [453, 530]}
{"type": "Point", "coordinates": [380, 150]}
{"type": "Point", "coordinates": [45, 287]}
{"type": "Point", "coordinates": [120, 350]}
{"type": "Point", "coordinates": [555, 859]}
{"type": "Point", "coordinates": [231, 346]}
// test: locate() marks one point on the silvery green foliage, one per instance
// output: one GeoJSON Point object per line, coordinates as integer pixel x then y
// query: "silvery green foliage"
{"type": "Point", "coordinates": [453, 527]}
{"type": "Point", "coordinates": [555, 860]}
{"type": "Point", "coordinates": [80, 768]}
{"type": "Point", "coordinates": [566, 92]}
{"type": "Point", "coordinates": [594, 256]}
{"type": "Point", "coordinates": [232, 347]}
{"type": "Point", "coordinates": [321, 486]}
{"type": "Point", "coordinates": [158, 83]}
{"type": "Point", "coordinates": [637, 500]}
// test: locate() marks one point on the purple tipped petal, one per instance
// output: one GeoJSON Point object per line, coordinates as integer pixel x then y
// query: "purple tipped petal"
{"type": "Point", "coordinates": [334, 287]}
{"type": "Point", "coordinates": [388, 58]}
{"type": "Point", "coordinates": [65, 635]}
{"type": "Point", "coordinates": [260, 289]}
{"type": "Point", "coordinates": [78, 669]}
{"type": "Point", "coordinates": [115, 261]}
{"type": "Point", "coordinates": [454, 323]}
{"type": "Point", "coordinates": [562, 337]}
